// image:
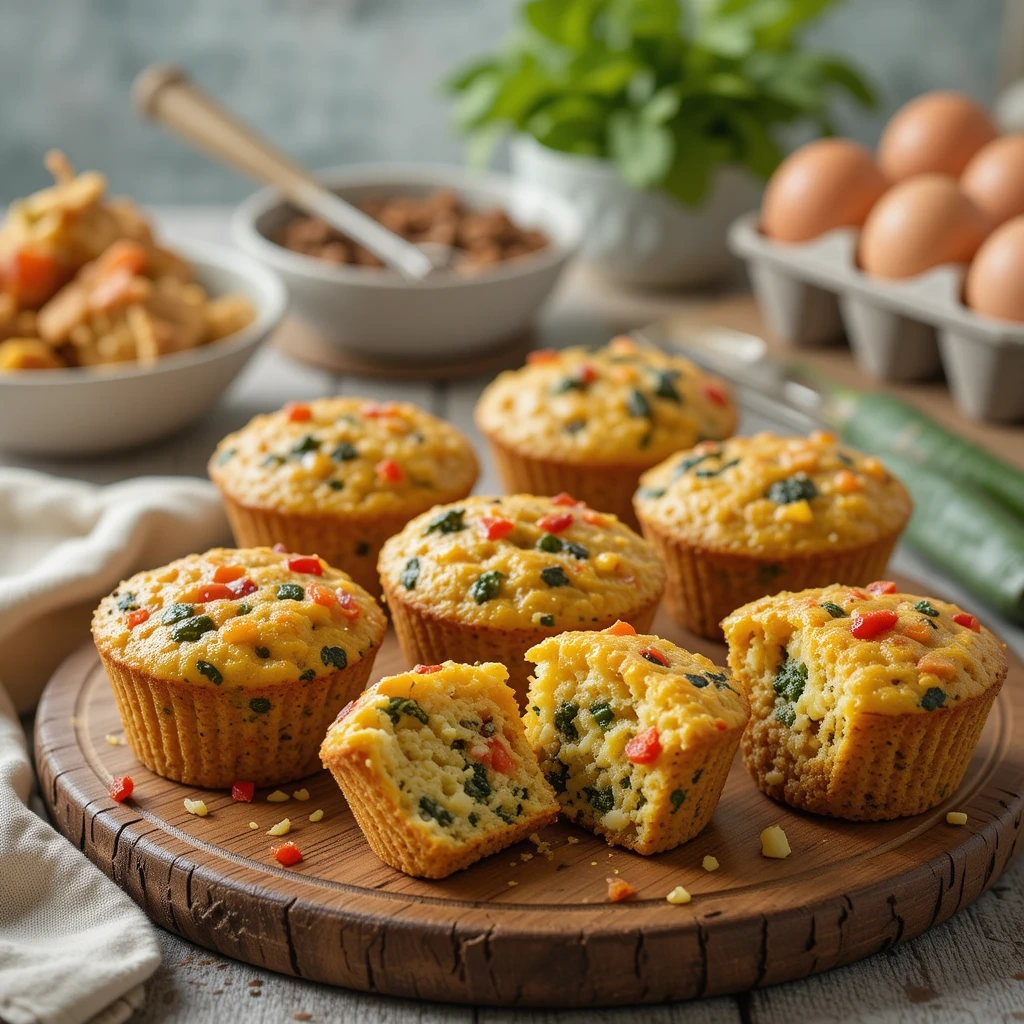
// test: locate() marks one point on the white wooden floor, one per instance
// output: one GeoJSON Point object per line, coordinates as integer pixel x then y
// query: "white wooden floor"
{"type": "Point", "coordinates": [969, 969]}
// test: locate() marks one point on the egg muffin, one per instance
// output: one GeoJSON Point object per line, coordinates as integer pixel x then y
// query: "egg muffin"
{"type": "Point", "coordinates": [229, 666]}
{"type": "Point", "coordinates": [635, 734]}
{"type": "Point", "coordinates": [487, 578]}
{"type": "Point", "coordinates": [755, 515]}
{"type": "Point", "coordinates": [590, 422]}
{"type": "Point", "coordinates": [436, 769]}
{"type": "Point", "coordinates": [866, 704]}
{"type": "Point", "coordinates": [339, 476]}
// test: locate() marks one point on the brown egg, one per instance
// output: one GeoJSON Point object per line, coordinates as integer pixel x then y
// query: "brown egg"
{"type": "Point", "coordinates": [995, 280]}
{"type": "Point", "coordinates": [994, 178]}
{"type": "Point", "coordinates": [918, 224]}
{"type": "Point", "coordinates": [937, 133]}
{"type": "Point", "coordinates": [831, 183]}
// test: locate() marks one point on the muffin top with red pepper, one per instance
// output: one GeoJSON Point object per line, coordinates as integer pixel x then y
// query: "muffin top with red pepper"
{"type": "Point", "coordinates": [239, 618]}
{"type": "Point", "coordinates": [820, 652]}
{"type": "Point", "coordinates": [521, 562]}
{"type": "Point", "coordinates": [766, 495]}
{"type": "Point", "coordinates": [619, 405]}
{"type": "Point", "coordinates": [345, 455]}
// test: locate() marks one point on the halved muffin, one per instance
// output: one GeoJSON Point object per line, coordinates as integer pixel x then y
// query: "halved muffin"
{"type": "Point", "coordinates": [436, 769]}
{"type": "Point", "coordinates": [866, 704]}
{"type": "Point", "coordinates": [635, 734]}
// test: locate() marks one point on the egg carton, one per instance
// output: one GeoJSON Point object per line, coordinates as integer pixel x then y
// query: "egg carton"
{"type": "Point", "coordinates": [898, 330]}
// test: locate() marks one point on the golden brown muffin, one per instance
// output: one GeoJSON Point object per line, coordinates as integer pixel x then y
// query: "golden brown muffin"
{"type": "Point", "coordinates": [754, 515]}
{"type": "Point", "coordinates": [866, 704]}
{"type": "Point", "coordinates": [590, 422]}
{"type": "Point", "coordinates": [229, 666]}
{"type": "Point", "coordinates": [436, 769]}
{"type": "Point", "coordinates": [635, 734]}
{"type": "Point", "coordinates": [339, 476]}
{"type": "Point", "coordinates": [487, 578]}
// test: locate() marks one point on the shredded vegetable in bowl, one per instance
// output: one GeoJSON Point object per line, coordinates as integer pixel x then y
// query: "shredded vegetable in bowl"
{"type": "Point", "coordinates": [83, 283]}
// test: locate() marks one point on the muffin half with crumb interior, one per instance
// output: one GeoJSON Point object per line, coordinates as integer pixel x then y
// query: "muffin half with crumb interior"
{"type": "Point", "coordinates": [487, 578]}
{"type": "Point", "coordinates": [436, 769]}
{"type": "Point", "coordinates": [755, 515]}
{"type": "Point", "coordinates": [635, 734]}
{"type": "Point", "coordinates": [339, 476]}
{"type": "Point", "coordinates": [591, 421]}
{"type": "Point", "coordinates": [229, 666]}
{"type": "Point", "coordinates": [866, 704]}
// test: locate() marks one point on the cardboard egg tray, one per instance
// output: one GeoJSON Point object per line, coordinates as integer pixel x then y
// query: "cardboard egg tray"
{"type": "Point", "coordinates": [908, 330]}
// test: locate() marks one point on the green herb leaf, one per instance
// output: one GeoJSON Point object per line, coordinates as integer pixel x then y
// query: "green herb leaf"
{"type": "Point", "coordinates": [446, 522]}
{"type": "Point", "coordinates": [664, 386]}
{"type": "Point", "coordinates": [717, 471]}
{"type": "Point", "coordinates": [785, 712]}
{"type": "Point", "coordinates": [637, 404]}
{"type": "Point", "coordinates": [799, 487]}
{"type": "Point", "coordinates": [790, 679]}
{"type": "Point", "coordinates": [127, 603]}
{"type": "Point", "coordinates": [262, 652]}
{"type": "Point", "coordinates": [697, 680]}
{"type": "Point", "coordinates": [652, 493]}
{"type": "Point", "coordinates": [559, 779]}
{"type": "Point", "coordinates": [477, 787]}
{"type": "Point", "coordinates": [307, 675]}
{"type": "Point", "coordinates": [676, 799]}
{"type": "Point", "coordinates": [204, 668]}
{"type": "Point", "coordinates": [565, 720]}
{"type": "Point", "coordinates": [833, 609]}
{"type": "Point", "coordinates": [344, 452]}
{"type": "Point", "coordinates": [290, 592]}
{"type": "Point", "coordinates": [577, 551]}
{"type": "Point", "coordinates": [226, 456]}
{"type": "Point", "coordinates": [554, 576]}
{"type": "Point", "coordinates": [260, 705]}
{"type": "Point", "coordinates": [933, 698]}
{"type": "Point", "coordinates": [690, 461]}
{"type": "Point", "coordinates": [550, 543]}
{"type": "Point", "coordinates": [602, 800]}
{"type": "Point", "coordinates": [486, 586]}
{"type": "Point", "coordinates": [602, 713]}
{"type": "Point", "coordinates": [306, 444]}
{"type": "Point", "coordinates": [430, 808]}
{"type": "Point", "coordinates": [925, 607]}
{"type": "Point", "coordinates": [547, 620]}
{"type": "Point", "coordinates": [176, 613]}
{"type": "Point", "coordinates": [192, 629]}
{"type": "Point", "coordinates": [398, 706]}
{"type": "Point", "coordinates": [410, 574]}
{"type": "Point", "coordinates": [334, 657]}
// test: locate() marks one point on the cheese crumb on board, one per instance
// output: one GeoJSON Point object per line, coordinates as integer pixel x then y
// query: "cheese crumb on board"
{"type": "Point", "coordinates": [252, 824]}
{"type": "Point", "coordinates": [301, 794]}
{"type": "Point", "coordinates": [277, 797]}
{"type": "Point", "coordinates": [619, 889]}
{"type": "Point", "coordinates": [774, 843]}
{"type": "Point", "coordinates": [572, 840]}
{"type": "Point", "coordinates": [282, 828]}
{"type": "Point", "coordinates": [115, 741]}
{"type": "Point", "coordinates": [317, 815]}
{"type": "Point", "coordinates": [956, 818]}
{"type": "Point", "coordinates": [709, 863]}
{"type": "Point", "coordinates": [678, 895]}
{"type": "Point", "coordinates": [196, 807]}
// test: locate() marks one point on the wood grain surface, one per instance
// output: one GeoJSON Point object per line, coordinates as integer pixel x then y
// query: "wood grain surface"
{"type": "Point", "coordinates": [550, 939]}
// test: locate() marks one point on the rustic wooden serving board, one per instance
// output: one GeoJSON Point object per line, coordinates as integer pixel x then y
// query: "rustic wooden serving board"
{"type": "Point", "coordinates": [516, 929]}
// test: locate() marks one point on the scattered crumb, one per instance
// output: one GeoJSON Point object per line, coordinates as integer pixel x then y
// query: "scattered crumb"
{"type": "Point", "coordinates": [615, 871]}
{"type": "Point", "coordinates": [1019, 976]}
{"type": "Point", "coordinates": [255, 983]}
{"type": "Point", "coordinates": [918, 993]}
{"type": "Point", "coordinates": [255, 992]}
{"type": "Point", "coordinates": [593, 863]}
{"type": "Point", "coordinates": [511, 883]}
{"type": "Point", "coordinates": [302, 1016]}
{"type": "Point", "coordinates": [611, 854]}
{"type": "Point", "coordinates": [774, 843]}
{"type": "Point", "coordinates": [543, 846]}
{"type": "Point", "coordinates": [277, 797]}
{"type": "Point", "coordinates": [619, 889]}
{"type": "Point", "coordinates": [198, 808]}
{"type": "Point", "coordinates": [774, 778]}
{"type": "Point", "coordinates": [524, 857]}
{"type": "Point", "coordinates": [956, 818]}
{"type": "Point", "coordinates": [252, 824]}
{"type": "Point", "coordinates": [205, 963]}
{"type": "Point", "coordinates": [221, 967]}
{"type": "Point", "coordinates": [678, 895]}
{"type": "Point", "coordinates": [282, 828]}
{"type": "Point", "coordinates": [115, 741]}
{"type": "Point", "coordinates": [571, 840]}
{"type": "Point", "coordinates": [301, 794]}
{"type": "Point", "coordinates": [368, 763]}
{"type": "Point", "coordinates": [317, 815]}
{"type": "Point", "coordinates": [709, 863]}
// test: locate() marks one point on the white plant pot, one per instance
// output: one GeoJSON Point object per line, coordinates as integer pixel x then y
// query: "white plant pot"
{"type": "Point", "coordinates": [642, 237]}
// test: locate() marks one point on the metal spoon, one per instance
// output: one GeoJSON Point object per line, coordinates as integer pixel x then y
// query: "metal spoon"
{"type": "Point", "coordinates": [166, 95]}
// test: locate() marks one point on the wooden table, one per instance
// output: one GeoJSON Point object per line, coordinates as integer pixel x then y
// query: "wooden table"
{"type": "Point", "coordinates": [969, 969]}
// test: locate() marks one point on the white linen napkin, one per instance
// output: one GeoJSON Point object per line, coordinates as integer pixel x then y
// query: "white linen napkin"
{"type": "Point", "coordinates": [73, 946]}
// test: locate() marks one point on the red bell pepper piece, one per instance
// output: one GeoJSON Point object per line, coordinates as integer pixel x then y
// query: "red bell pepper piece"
{"type": "Point", "coordinates": [882, 587]}
{"type": "Point", "coordinates": [298, 412]}
{"type": "Point", "coordinates": [644, 747]}
{"type": "Point", "coordinates": [656, 656]}
{"type": "Point", "coordinates": [136, 618]}
{"type": "Point", "coordinates": [868, 625]}
{"type": "Point", "coordinates": [243, 792]}
{"type": "Point", "coordinates": [556, 522]}
{"type": "Point", "coordinates": [286, 854]}
{"type": "Point", "coordinates": [494, 528]}
{"type": "Point", "coordinates": [968, 620]}
{"type": "Point", "coordinates": [390, 471]}
{"type": "Point", "coordinates": [306, 563]}
{"type": "Point", "coordinates": [121, 787]}
{"type": "Point", "coordinates": [426, 670]}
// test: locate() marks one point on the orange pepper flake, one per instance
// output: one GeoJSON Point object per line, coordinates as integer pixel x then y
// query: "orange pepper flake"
{"type": "Point", "coordinates": [968, 620]}
{"type": "Point", "coordinates": [881, 587]}
{"type": "Point", "coordinates": [542, 355]}
{"type": "Point", "coordinates": [823, 437]}
{"type": "Point", "coordinates": [321, 595]}
{"type": "Point", "coordinates": [586, 374]}
{"type": "Point", "coordinates": [721, 724]}
{"type": "Point", "coordinates": [622, 344]}
{"type": "Point", "coordinates": [562, 498]}
{"type": "Point", "coordinates": [121, 787]}
{"type": "Point", "coordinates": [938, 666]}
{"type": "Point", "coordinates": [592, 518]}
{"type": "Point", "coordinates": [555, 522]}
{"type": "Point", "coordinates": [654, 656]}
{"type": "Point", "coordinates": [501, 760]}
{"type": "Point", "coordinates": [426, 670]}
{"type": "Point", "coordinates": [297, 412]}
{"type": "Point", "coordinates": [644, 747]}
{"type": "Point", "coordinates": [136, 618]}
{"type": "Point", "coordinates": [373, 410]}
{"type": "Point", "coordinates": [715, 393]}
{"type": "Point", "coordinates": [212, 592]}
{"type": "Point", "coordinates": [286, 854]}
{"type": "Point", "coordinates": [620, 628]}
{"type": "Point", "coordinates": [846, 482]}
{"type": "Point", "coordinates": [619, 889]}
{"type": "Point", "coordinates": [389, 471]}
{"type": "Point", "coordinates": [868, 625]}
{"type": "Point", "coordinates": [918, 631]}
{"type": "Point", "coordinates": [243, 792]}
{"type": "Point", "coordinates": [227, 573]}
{"type": "Point", "coordinates": [347, 604]}
{"type": "Point", "coordinates": [494, 527]}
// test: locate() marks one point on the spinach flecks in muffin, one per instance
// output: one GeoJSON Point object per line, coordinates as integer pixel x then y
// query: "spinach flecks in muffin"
{"type": "Point", "coordinates": [262, 652]}
{"type": "Point", "coordinates": [430, 808]}
{"type": "Point", "coordinates": [290, 592]}
{"type": "Point", "coordinates": [833, 609]}
{"type": "Point", "coordinates": [790, 679]}
{"type": "Point", "coordinates": [578, 551]}
{"type": "Point", "coordinates": [307, 675]}
{"type": "Point", "coordinates": [204, 668]}
{"type": "Point", "coordinates": [651, 492]}
{"type": "Point", "coordinates": [336, 485]}
{"type": "Point", "coordinates": [176, 613]}
{"type": "Point", "coordinates": [933, 698]}
{"type": "Point", "coordinates": [344, 452]}
{"type": "Point", "coordinates": [696, 776]}
{"type": "Point", "coordinates": [664, 386]}
{"type": "Point", "coordinates": [785, 712]}
{"type": "Point", "coordinates": [547, 620]}
{"type": "Point", "coordinates": [273, 460]}
{"type": "Point", "coordinates": [244, 608]}
{"type": "Point", "coordinates": [190, 630]}
{"type": "Point", "coordinates": [554, 576]}
{"type": "Point", "coordinates": [410, 574]}
{"type": "Point", "coordinates": [709, 473]}
{"type": "Point", "coordinates": [446, 522]}
{"type": "Point", "coordinates": [305, 444]}
{"type": "Point", "coordinates": [690, 461]}
{"type": "Point", "coordinates": [477, 786]}
{"type": "Point", "coordinates": [226, 456]}
{"type": "Point", "coordinates": [334, 657]}
{"type": "Point", "coordinates": [676, 799]}
{"type": "Point", "coordinates": [127, 602]}
{"type": "Point", "coordinates": [925, 607]}
{"type": "Point", "coordinates": [565, 720]}
{"type": "Point", "coordinates": [559, 779]}
{"type": "Point", "coordinates": [637, 405]}
{"type": "Point", "coordinates": [602, 800]}
{"type": "Point", "coordinates": [259, 705]}
{"type": "Point", "coordinates": [398, 706]}
{"type": "Point", "coordinates": [486, 586]}
{"type": "Point", "coordinates": [574, 426]}
{"type": "Point", "coordinates": [602, 713]}
{"type": "Point", "coordinates": [697, 680]}
{"type": "Point", "coordinates": [799, 487]}
{"type": "Point", "coordinates": [507, 816]}
{"type": "Point", "coordinates": [550, 543]}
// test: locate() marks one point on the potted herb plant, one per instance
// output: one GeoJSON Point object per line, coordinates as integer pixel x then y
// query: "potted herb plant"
{"type": "Point", "coordinates": [659, 118]}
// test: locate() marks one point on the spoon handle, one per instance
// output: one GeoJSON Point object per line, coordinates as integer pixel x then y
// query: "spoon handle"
{"type": "Point", "coordinates": [166, 95]}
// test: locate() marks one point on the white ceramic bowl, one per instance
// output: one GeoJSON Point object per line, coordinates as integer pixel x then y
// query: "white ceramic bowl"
{"type": "Point", "coordinates": [636, 237]}
{"type": "Point", "coordinates": [94, 411]}
{"type": "Point", "coordinates": [377, 313]}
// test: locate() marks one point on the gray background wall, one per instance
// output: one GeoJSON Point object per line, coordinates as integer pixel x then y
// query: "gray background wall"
{"type": "Point", "coordinates": [337, 81]}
